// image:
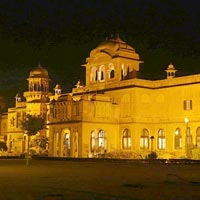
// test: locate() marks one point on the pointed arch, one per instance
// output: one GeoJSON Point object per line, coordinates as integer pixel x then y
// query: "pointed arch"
{"type": "Point", "coordinates": [178, 139]}
{"type": "Point", "coordinates": [144, 139]}
{"type": "Point", "coordinates": [126, 139]}
{"type": "Point", "coordinates": [161, 139]}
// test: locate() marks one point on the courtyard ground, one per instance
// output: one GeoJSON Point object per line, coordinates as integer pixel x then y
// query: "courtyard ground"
{"type": "Point", "coordinates": [63, 180]}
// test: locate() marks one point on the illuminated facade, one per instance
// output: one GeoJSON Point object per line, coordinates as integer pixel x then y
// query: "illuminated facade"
{"type": "Point", "coordinates": [115, 114]}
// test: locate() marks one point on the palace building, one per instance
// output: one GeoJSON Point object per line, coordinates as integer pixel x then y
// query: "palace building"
{"type": "Point", "coordinates": [115, 114]}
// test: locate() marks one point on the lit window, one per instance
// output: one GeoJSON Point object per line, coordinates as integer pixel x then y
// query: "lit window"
{"type": "Point", "coordinates": [188, 105]}
{"type": "Point", "coordinates": [161, 139]}
{"type": "Point", "coordinates": [92, 141]}
{"type": "Point", "coordinates": [144, 139]}
{"type": "Point", "coordinates": [98, 141]}
{"type": "Point", "coordinates": [93, 74]}
{"type": "Point", "coordinates": [102, 141]}
{"type": "Point", "coordinates": [126, 139]}
{"type": "Point", "coordinates": [188, 136]}
{"type": "Point", "coordinates": [178, 139]}
{"type": "Point", "coordinates": [66, 145]}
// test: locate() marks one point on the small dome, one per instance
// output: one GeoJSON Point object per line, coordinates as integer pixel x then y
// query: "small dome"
{"type": "Point", "coordinates": [39, 72]}
{"type": "Point", "coordinates": [57, 87]}
{"type": "Point", "coordinates": [170, 66]}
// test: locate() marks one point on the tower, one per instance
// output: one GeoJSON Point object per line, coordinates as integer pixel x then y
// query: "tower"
{"type": "Point", "coordinates": [38, 91]}
{"type": "Point", "coordinates": [171, 71]}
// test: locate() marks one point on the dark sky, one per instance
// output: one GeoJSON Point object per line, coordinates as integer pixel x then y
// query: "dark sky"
{"type": "Point", "coordinates": [60, 34]}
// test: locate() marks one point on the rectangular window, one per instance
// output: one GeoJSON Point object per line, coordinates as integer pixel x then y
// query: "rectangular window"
{"type": "Point", "coordinates": [188, 105]}
{"type": "Point", "coordinates": [144, 143]}
{"type": "Point", "coordinates": [161, 143]}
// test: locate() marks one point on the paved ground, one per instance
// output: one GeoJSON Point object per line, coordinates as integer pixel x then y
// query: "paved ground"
{"type": "Point", "coordinates": [60, 180]}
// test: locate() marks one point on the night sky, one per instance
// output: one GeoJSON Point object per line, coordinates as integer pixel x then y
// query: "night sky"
{"type": "Point", "coordinates": [59, 34]}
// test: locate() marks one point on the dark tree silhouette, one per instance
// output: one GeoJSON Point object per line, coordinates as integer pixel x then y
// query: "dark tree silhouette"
{"type": "Point", "coordinates": [31, 125]}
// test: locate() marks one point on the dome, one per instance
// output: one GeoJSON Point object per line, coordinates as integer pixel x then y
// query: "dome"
{"type": "Point", "coordinates": [39, 72]}
{"type": "Point", "coordinates": [170, 66]}
{"type": "Point", "coordinates": [114, 47]}
{"type": "Point", "coordinates": [57, 87]}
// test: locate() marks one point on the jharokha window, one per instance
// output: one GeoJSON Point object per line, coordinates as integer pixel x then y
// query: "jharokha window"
{"type": "Point", "coordinates": [144, 139]}
{"type": "Point", "coordinates": [126, 139]}
{"type": "Point", "coordinates": [161, 139]}
{"type": "Point", "coordinates": [178, 139]}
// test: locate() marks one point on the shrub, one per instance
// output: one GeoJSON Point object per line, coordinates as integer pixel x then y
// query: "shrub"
{"type": "Point", "coordinates": [152, 155]}
{"type": "Point", "coordinates": [3, 146]}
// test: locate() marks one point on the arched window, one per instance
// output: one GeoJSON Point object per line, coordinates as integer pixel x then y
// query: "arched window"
{"type": "Point", "coordinates": [35, 87]}
{"type": "Point", "coordinates": [112, 73]}
{"type": "Point", "coordinates": [161, 139]}
{"type": "Point", "coordinates": [101, 73]}
{"type": "Point", "coordinates": [122, 72]}
{"type": "Point", "coordinates": [92, 141]}
{"type": "Point", "coordinates": [188, 136]}
{"type": "Point", "coordinates": [177, 139]}
{"type": "Point", "coordinates": [98, 141]}
{"type": "Point", "coordinates": [102, 140]}
{"type": "Point", "coordinates": [42, 87]}
{"type": "Point", "coordinates": [144, 139]}
{"type": "Point", "coordinates": [126, 139]}
{"type": "Point", "coordinates": [128, 73]}
{"type": "Point", "coordinates": [93, 74]}
{"type": "Point", "coordinates": [66, 145]}
{"type": "Point", "coordinates": [102, 76]}
{"type": "Point", "coordinates": [31, 86]}
{"type": "Point", "coordinates": [198, 137]}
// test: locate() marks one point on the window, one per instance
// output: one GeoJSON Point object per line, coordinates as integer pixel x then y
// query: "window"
{"type": "Point", "coordinates": [92, 141]}
{"type": "Point", "coordinates": [178, 139]}
{"type": "Point", "coordinates": [122, 72]}
{"type": "Point", "coordinates": [112, 73]}
{"type": "Point", "coordinates": [188, 105]}
{"type": "Point", "coordinates": [126, 139]}
{"type": "Point", "coordinates": [101, 73]}
{"type": "Point", "coordinates": [188, 137]}
{"type": "Point", "coordinates": [198, 137]}
{"type": "Point", "coordinates": [161, 139]}
{"type": "Point", "coordinates": [102, 141]}
{"type": "Point", "coordinates": [98, 141]}
{"type": "Point", "coordinates": [93, 74]}
{"type": "Point", "coordinates": [144, 139]}
{"type": "Point", "coordinates": [66, 145]}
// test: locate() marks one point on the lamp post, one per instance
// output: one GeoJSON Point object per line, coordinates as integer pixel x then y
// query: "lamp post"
{"type": "Point", "coordinates": [27, 153]}
{"type": "Point", "coordinates": [186, 136]}
{"type": "Point", "coordinates": [152, 138]}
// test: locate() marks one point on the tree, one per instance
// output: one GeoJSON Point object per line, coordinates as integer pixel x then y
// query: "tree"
{"type": "Point", "coordinates": [31, 125]}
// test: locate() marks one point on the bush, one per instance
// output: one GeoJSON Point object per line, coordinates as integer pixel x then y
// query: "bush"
{"type": "Point", "coordinates": [123, 154]}
{"type": "Point", "coordinates": [3, 146]}
{"type": "Point", "coordinates": [152, 155]}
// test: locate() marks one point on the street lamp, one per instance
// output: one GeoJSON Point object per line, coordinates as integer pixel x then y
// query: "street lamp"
{"type": "Point", "coordinates": [152, 138]}
{"type": "Point", "coordinates": [27, 149]}
{"type": "Point", "coordinates": [186, 136]}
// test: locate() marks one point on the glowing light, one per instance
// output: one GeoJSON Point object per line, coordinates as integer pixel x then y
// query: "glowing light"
{"type": "Point", "coordinates": [186, 120]}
